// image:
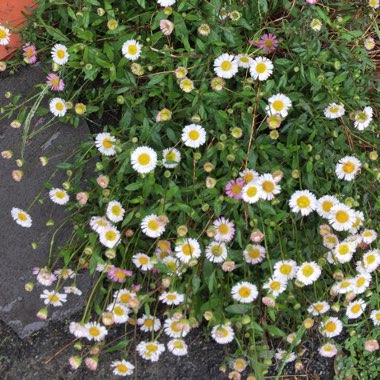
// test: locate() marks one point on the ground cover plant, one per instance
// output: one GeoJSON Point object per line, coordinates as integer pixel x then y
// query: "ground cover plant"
{"type": "Point", "coordinates": [236, 176]}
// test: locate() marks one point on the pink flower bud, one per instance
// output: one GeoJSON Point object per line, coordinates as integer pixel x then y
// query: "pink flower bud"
{"type": "Point", "coordinates": [166, 27]}
{"type": "Point", "coordinates": [103, 181]}
{"type": "Point", "coordinates": [17, 175]}
{"type": "Point", "coordinates": [92, 363]}
{"type": "Point", "coordinates": [371, 345]}
{"type": "Point", "coordinates": [82, 198]}
{"type": "Point", "coordinates": [257, 236]}
{"type": "Point", "coordinates": [75, 362]}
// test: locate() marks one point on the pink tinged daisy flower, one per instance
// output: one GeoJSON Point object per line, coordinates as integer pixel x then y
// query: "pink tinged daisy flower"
{"type": "Point", "coordinates": [78, 330]}
{"type": "Point", "coordinates": [222, 334]}
{"type": "Point", "coordinates": [166, 27]}
{"type": "Point", "coordinates": [119, 274]}
{"type": "Point", "coordinates": [225, 230]}
{"type": "Point", "coordinates": [29, 53]}
{"type": "Point", "coordinates": [312, 1]}
{"type": "Point", "coordinates": [328, 350]}
{"type": "Point", "coordinates": [177, 347]}
{"type": "Point", "coordinates": [254, 253]}
{"type": "Point", "coordinates": [330, 241]}
{"type": "Point", "coordinates": [234, 188]}
{"type": "Point", "coordinates": [268, 42]}
{"type": "Point", "coordinates": [55, 82]}
{"type": "Point", "coordinates": [44, 276]}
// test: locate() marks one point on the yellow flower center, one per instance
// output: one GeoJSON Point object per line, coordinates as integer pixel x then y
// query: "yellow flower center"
{"type": "Point", "coordinates": [268, 43]}
{"type": "Point", "coordinates": [285, 269]}
{"type": "Point", "coordinates": [307, 270]}
{"type": "Point", "coordinates": [248, 177]}
{"type": "Point", "coordinates": [342, 216]}
{"type": "Point", "coordinates": [268, 186]}
{"type": "Point", "coordinates": [244, 292]}
{"type": "Point", "coordinates": [348, 167]}
{"type": "Point", "coordinates": [107, 143]}
{"type": "Point", "coordinates": [29, 52]}
{"type": "Point", "coordinates": [60, 54]}
{"type": "Point", "coordinates": [236, 189]}
{"type": "Point", "coordinates": [110, 235]}
{"type": "Point", "coordinates": [22, 216]}
{"type": "Point", "coordinates": [223, 228]}
{"type": "Point", "coordinates": [328, 348]}
{"type": "Point", "coordinates": [275, 285]}
{"type": "Point", "coordinates": [360, 281]}
{"type": "Point", "coordinates": [370, 259]}
{"type": "Point", "coordinates": [345, 284]}
{"type": "Point", "coordinates": [148, 323]}
{"type": "Point", "coordinates": [170, 156]}
{"type": "Point", "coordinates": [53, 298]}
{"type": "Point", "coordinates": [194, 135]}
{"type": "Point", "coordinates": [151, 347]}
{"type": "Point", "coordinates": [377, 316]}
{"type": "Point", "coordinates": [119, 274]}
{"type": "Point", "coordinates": [171, 297]}
{"type": "Point", "coordinates": [124, 298]}
{"type": "Point", "coordinates": [132, 49]}
{"type": "Point", "coordinates": [344, 249]}
{"type": "Point", "coordinates": [143, 260]}
{"type": "Point", "coordinates": [187, 249]}
{"type": "Point", "coordinates": [330, 326]}
{"type": "Point", "coordinates": [118, 311]}
{"type": "Point", "coordinates": [361, 117]}
{"type": "Point", "coordinates": [144, 159]}
{"type": "Point", "coordinates": [327, 205]}
{"type": "Point", "coordinates": [55, 82]}
{"type": "Point", "coordinates": [278, 105]}
{"type": "Point", "coordinates": [318, 307]}
{"type": "Point", "coordinates": [217, 250]}
{"type": "Point", "coordinates": [59, 106]}
{"type": "Point", "coordinates": [254, 253]}
{"type": "Point", "coordinates": [122, 368]}
{"type": "Point", "coordinates": [94, 331]}
{"type": "Point", "coordinates": [153, 225]}
{"type": "Point", "coordinates": [178, 344]}
{"type": "Point", "coordinates": [60, 194]}
{"type": "Point", "coordinates": [367, 233]}
{"type": "Point", "coordinates": [175, 327]}
{"type": "Point", "coordinates": [116, 210]}
{"type": "Point", "coordinates": [244, 59]}
{"type": "Point", "coordinates": [261, 67]}
{"type": "Point", "coordinates": [2, 34]}
{"type": "Point", "coordinates": [334, 109]}
{"type": "Point", "coordinates": [303, 201]}
{"type": "Point", "coordinates": [226, 65]}
{"type": "Point", "coordinates": [356, 308]}
{"type": "Point", "coordinates": [252, 191]}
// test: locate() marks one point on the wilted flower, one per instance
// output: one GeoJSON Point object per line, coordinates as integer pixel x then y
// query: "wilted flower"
{"type": "Point", "coordinates": [166, 27]}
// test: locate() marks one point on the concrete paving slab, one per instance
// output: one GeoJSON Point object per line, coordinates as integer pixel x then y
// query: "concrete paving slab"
{"type": "Point", "coordinates": [18, 308]}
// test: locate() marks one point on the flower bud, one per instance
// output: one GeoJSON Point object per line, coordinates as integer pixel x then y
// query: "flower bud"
{"type": "Point", "coordinates": [112, 24]}
{"type": "Point", "coordinates": [308, 323]}
{"type": "Point", "coordinates": [103, 181]}
{"type": "Point", "coordinates": [29, 286]}
{"type": "Point", "coordinates": [7, 154]}
{"type": "Point", "coordinates": [17, 175]}
{"type": "Point", "coordinates": [80, 108]}
{"type": "Point", "coordinates": [236, 132]}
{"type": "Point", "coordinates": [210, 182]}
{"type": "Point", "coordinates": [15, 124]}
{"type": "Point", "coordinates": [42, 314]}
{"type": "Point", "coordinates": [3, 66]}
{"type": "Point", "coordinates": [75, 362]}
{"type": "Point", "coordinates": [373, 156]}
{"type": "Point", "coordinates": [110, 254]}
{"type": "Point", "coordinates": [208, 167]}
{"type": "Point", "coordinates": [371, 345]}
{"type": "Point", "coordinates": [101, 12]}
{"type": "Point", "coordinates": [274, 121]}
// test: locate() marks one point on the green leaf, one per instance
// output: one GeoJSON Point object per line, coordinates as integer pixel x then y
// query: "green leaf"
{"type": "Point", "coordinates": [119, 346]}
{"type": "Point", "coordinates": [238, 309]}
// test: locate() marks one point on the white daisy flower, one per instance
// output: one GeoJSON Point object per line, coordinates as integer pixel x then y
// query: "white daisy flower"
{"type": "Point", "coordinates": [331, 327]}
{"type": "Point", "coordinates": [275, 286]}
{"type": "Point", "coordinates": [328, 350]}
{"type": "Point", "coordinates": [249, 175]}
{"type": "Point", "coordinates": [150, 350]}
{"type": "Point", "coordinates": [334, 111]}
{"type": "Point", "coordinates": [344, 251]}
{"type": "Point", "coordinates": [225, 66]}
{"type": "Point", "coordinates": [144, 159]}
{"type": "Point", "coordinates": [375, 316]}
{"type": "Point", "coordinates": [152, 226]}
{"type": "Point", "coordinates": [187, 250]}
{"type": "Point", "coordinates": [59, 196]}
{"type": "Point", "coordinates": [244, 292]}
{"type": "Point", "coordinates": [115, 211]}
{"type": "Point", "coordinates": [325, 204]}
{"type": "Point", "coordinates": [254, 253]}
{"type": "Point", "coordinates": [57, 107]}
{"type": "Point", "coordinates": [124, 296]}
{"type": "Point", "coordinates": [21, 217]}
{"type": "Point", "coordinates": [97, 223]}
{"type": "Point", "coordinates": [65, 273]}
{"type": "Point", "coordinates": [53, 298]}
{"type": "Point", "coordinates": [95, 331]}
{"type": "Point", "coordinates": [109, 236]}
{"type": "Point", "coordinates": [359, 219]}
{"type": "Point", "coordinates": [4, 35]}
{"type": "Point", "coordinates": [371, 260]}
{"type": "Point", "coordinates": [318, 308]}
{"type": "Point", "coordinates": [261, 69]}
{"type": "Point", "coordinates": [166, 3]}
{"type": "Point", "coordinates": [269, 187]}
{"type": "Point", "coordinates": [171, 157]}
{"type": "Point", "coordinates": [106, 143]}
{"type": "Point", "coordinates": [72, 290]}
{"type": "Point", "coordinates": [284, 355]}
{"type": "Point", "coordinates": [222, 334]}
{"type": "Point", "coordinates": [172, 298]}
{"type": "Point", "coordinates": [279, 104]}
{"type": "Point", "coordinates": [175, 328]}
{"type": "Point", "coordinates": [308, 272]}
{"type": "Point", "coordinates": [78, 330]}
{"type": "Point", "coordinates": [361, 282]}
{"type": "Point", "coordinates": [120, 312]}
{"type": "Point", "coordinates": [369, 236]}
{"type": "Point", "coordinates": [216, 252]}
{"type": "Point", "coordinates": [224, 230]}
{"type": "Point", "coordinates": [285, 270]}
{"type": "Point", "coordinates": [131, 50]}
{"type": "Point", "coordinates": [142, 261]}
{"type": "Point", "coordinates": [316, 24]}
{"type": "Point", "coordinates": [342, 287]}
{"type": "Point", "coordinates": [363, 118]}
{"type": "Point", "coordinates": [122, 368]}
{"type": "Point", "coordinates": [252, 192]}
{"type": "Point", "coordinates": [347, 168]}
{"type": "Point", "coordinates": [341, 217]}
{"type": "Point", "coordinates": [355, 309]}
{"type": "Point", "coordinates": [374, 4]}
{"type": "Point", "coordinates": [149, 323]}
{"type": "Point", "coordinates": [303, 201]}
{"type": "Point", "coordinates": [59, 54]}
{"type": "Point", "coordinates": [244, 61]}
{"type": "Point", "coordinates": [193, 135]}
{"type": "Point", "coordinates": [177, 347]}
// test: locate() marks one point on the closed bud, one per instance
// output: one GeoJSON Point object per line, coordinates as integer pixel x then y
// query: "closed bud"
{"type": "Point", "coordinates": [78, 345]}
{"type": "Point", "coordinates": [246, 319]}
{"type": "Point", "coordinates": [112, 24]}
{"type": "Point", "coordinates": [338, 275]}
{"type": "Point", "coordinates": [137, 69]}
{"type": "Point", "coordinates": [110, 254]}
{"type": "Point", "coordinates": [66, 185]}
{"type": "Point", "coordinates": [195, 118]}
{"type": "Point", "coordinates": [274, 135]}
{"type": "Point", "coordinates": [15, 124]}
{"type": "Point", "coordinates": [322, 261]}
{"type": "Point", "coordinates": [193, 262]}
{"type": "Point", "coordinates": [43, 161]}
{"type": "Point", "coordinates": [42, 314]}
{"type": "Point", "coordinates": [308, 323]}
{"type": "Point", "coordinates": [17, 175]}
{"type": "Point", "coordinates": [236, 132]}
{"type": "Point", "coordinates": [168, 11]}
{"type": "Point", "coordinates": [101, 12]}
{"type": "Point", "coordinates": [8, 94]}
{"type": "Point", "coordinates": [19, 163]}
{"type": "Point", "coordinates": [29, 286]}
{"type": "Point", "coordinates": [210, 182]}
{"type": "Point", "coordinates": [208, 167]}
{"type": "Point", "coordinates": [182, 230]}
{"type": "Point", "coordinates": [7, 154]}
{"type": "Point", "coordinates": [295, 173]}
{"type": "Point", "coordinates": [205, 207]}
{"type": "Point", "coordinates": [80, 108]}
{"type": "Point", "coordinates": [373, 156]}
{"type": "Point", "coordinates": [335, 307]}
{"type": "Point", "coordinates": [88, 251]}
